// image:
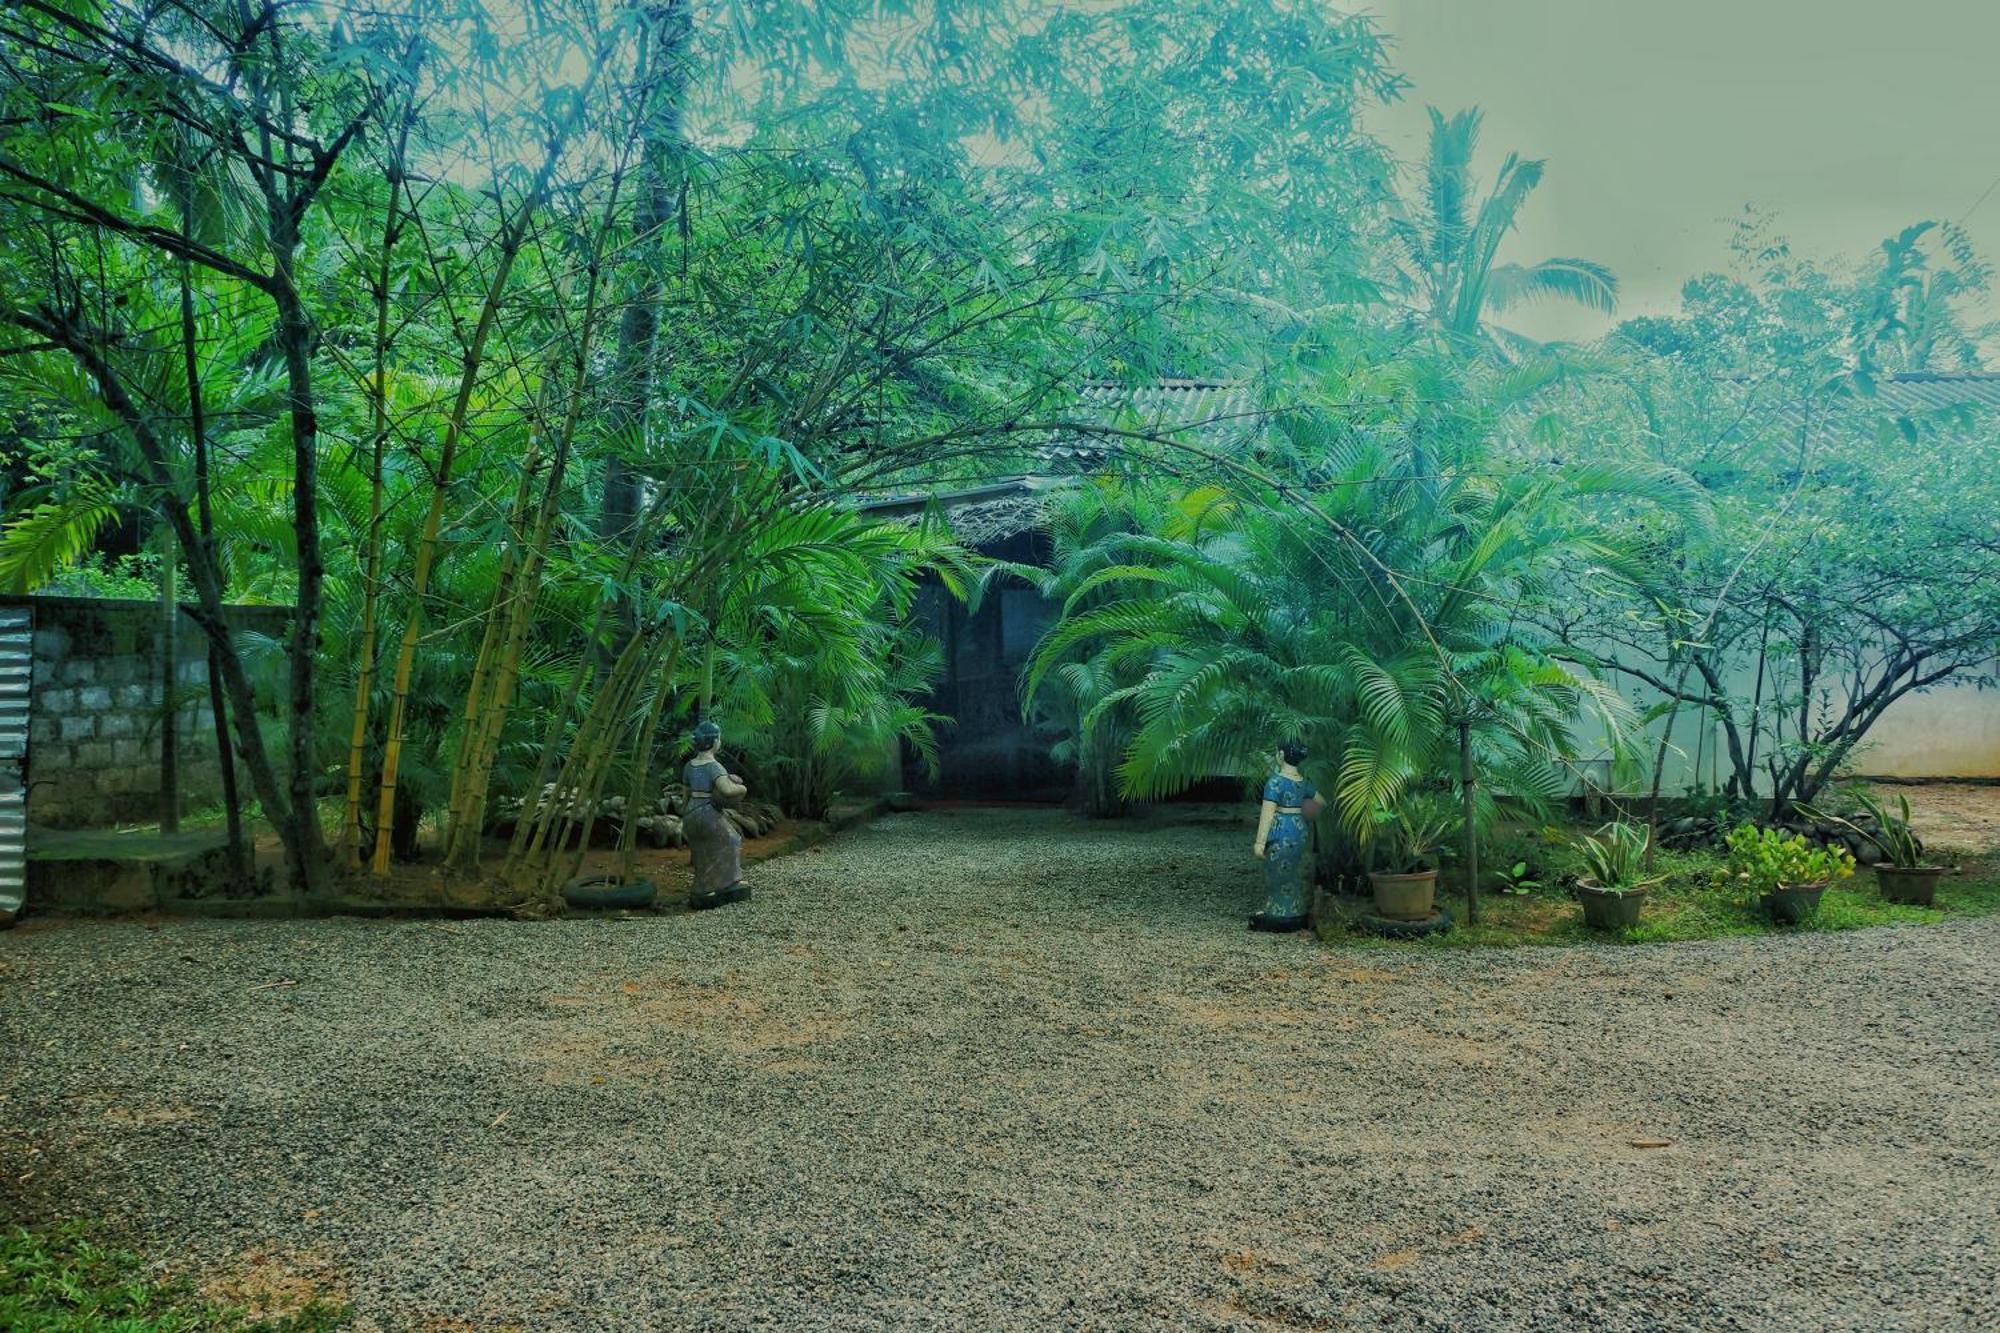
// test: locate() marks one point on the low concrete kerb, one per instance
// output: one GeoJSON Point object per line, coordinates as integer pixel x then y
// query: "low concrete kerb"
{"type": "Point", "coordinates": [283, 906]}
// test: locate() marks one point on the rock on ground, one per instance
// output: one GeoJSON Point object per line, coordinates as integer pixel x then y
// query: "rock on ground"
{"type": "Point", "coordinates": [1011, 1070]}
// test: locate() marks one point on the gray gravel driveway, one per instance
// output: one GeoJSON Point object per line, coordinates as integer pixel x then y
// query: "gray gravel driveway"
{"type": "Point", "coordinates": [990, 1069]}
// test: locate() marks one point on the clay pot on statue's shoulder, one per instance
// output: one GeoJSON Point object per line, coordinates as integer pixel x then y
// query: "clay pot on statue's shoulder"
{"type": "Point", "coordinates": [1405, 897]}
{"type": "Point", "coordinates": [1915, 886]}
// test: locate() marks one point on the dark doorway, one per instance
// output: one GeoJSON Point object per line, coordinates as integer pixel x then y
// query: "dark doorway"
{"type": "Point", "coordinates": [992, 753]}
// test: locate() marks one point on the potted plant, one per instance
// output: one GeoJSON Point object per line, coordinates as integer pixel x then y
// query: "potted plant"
{"type": "Point", "coordinates": [1903, 874]}
{"type": "Point", "coordinates": [1407, 842]}
{"type": "Point", "coordinates": [1610, 888]}
{"type": "Point", "coordinates": [1787, 874]}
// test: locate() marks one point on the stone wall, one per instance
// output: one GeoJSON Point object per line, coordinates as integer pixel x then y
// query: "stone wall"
{"type": "Point", "coordinates": [97, 708]}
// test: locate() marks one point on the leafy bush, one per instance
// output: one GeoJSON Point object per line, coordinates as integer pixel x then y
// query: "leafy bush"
{"type": "Point", "coordinates": [134, 577]}
{"type": "Point", "coordinates": [1764, 860]}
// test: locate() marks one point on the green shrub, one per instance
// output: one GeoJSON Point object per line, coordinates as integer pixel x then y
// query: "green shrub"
{"type": "Point", "coordinates": [1763, 860]}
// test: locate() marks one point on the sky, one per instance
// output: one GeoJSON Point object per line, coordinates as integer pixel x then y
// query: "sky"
{"type": "Point", "coordinates": [1662, 119]}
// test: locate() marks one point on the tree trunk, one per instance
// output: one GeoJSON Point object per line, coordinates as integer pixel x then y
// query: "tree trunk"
{"type": "Point", "coordinates": [305, 853]}
{"type": "Point", "coordinates": [642, 767]}
{"type": "Point", "coordinates": [661, 82]}
{"type": "Point", "coordinates": [202, 568]}
{"type": "Point", "coordinates": [225, 751]}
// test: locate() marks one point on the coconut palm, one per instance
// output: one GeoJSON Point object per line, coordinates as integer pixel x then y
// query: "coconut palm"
{"type": "Point", "coordinates": [1453, 243]}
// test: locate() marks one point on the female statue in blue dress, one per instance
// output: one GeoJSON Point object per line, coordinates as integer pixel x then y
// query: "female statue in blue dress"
{"type": "Point", "coordinates": [1281, 842]}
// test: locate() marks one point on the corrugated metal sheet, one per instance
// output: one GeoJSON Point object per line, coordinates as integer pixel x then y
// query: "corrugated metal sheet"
{"type": "Point", "coordinates": [1214, 414]}
{"type": "Point", "coordinates": [17, 658]}
{"type": "Point", "coordinates": [1917, 396]}
{"type": "Point", "coordinates": [1205, 412]}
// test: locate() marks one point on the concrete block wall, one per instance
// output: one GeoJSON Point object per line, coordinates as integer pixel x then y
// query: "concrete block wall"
{"type": "Point", "coordinates": [98, 705]}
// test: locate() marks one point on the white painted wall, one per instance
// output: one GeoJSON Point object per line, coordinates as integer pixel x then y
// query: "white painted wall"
{"type": "Point", "coordinates": [1950, 731]}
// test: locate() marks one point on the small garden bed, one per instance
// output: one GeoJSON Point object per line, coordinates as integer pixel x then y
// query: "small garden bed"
{"type": "Point", "coordinates": [1685, 905]}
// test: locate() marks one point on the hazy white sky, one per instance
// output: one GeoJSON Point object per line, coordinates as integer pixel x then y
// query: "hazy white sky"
{"type": "Point", "coordinates": [1661, 119]}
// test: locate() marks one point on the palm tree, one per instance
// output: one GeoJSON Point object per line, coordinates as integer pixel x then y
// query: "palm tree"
{"type": "Point", "coordinates": [1083, 526]}
{"type": "Point", "coordinates": [1452, 249]}
{"type": "Point", "coordinates": [1372, 604]}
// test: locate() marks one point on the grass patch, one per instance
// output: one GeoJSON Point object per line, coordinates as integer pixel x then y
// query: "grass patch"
{"type": "Point", "coordinates": [65, 1280]}
{"type": "Point", "coordinates": [1685, 906]}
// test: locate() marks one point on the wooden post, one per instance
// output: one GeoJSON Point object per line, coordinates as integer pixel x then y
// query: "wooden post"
{"type": "Point", "coordinates": [1468, 781]}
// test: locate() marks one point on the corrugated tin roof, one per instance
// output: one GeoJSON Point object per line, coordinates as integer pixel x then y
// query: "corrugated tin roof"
{"type": "Point", "coordinates": [1934, 391]}
{"type": "Point", "coordinates": [17, 628]}
{"type": "Point", "coordinates": [1212, 413]}
{"type": "Point", "coordinates": [1206, 412]}
{"type": "Point", "coordinates": [1911, 394]}
{"type": "Point", "coordinates": [1223, 413]}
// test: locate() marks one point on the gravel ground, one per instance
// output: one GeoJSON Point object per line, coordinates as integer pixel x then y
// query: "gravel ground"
{"type": "Point", "coordinates": [1009, 1070]}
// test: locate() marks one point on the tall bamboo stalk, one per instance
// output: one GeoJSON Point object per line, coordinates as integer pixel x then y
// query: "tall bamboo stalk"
{"type": "Point", "coordinates": [490, 699]}
{"type": "Point", "coordinates": [574, 796]}
{"type": "Point", "coordinates": [348, 848]}
{"type": "Point", "coordinates": [482, 662]}
{"type": "Point", "coordinates": [531, 832]}
{"type": "Point", "coordinates": [513, 235]}
{"type": "Point", "coordinates": [491, 694]}
{"type": "Point", "coordinates": [642, 766]}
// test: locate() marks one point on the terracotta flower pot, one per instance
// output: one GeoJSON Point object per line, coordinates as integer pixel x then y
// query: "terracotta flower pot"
{"type": "Point", "coordinates": [1916, 885]}
{"type": "Point", "coordinates": [1405, 897]}
{"type": "Point", "coordinates": [1793, 903]}
{"type": "Point", "coordinates": [1605, 909]}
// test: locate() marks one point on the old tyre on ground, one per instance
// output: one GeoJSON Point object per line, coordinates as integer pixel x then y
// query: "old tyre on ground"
{"type": "Point", "coordinates": [1914, 885]}
{"type": "Point", "coordinates": [1437, 923]}
{"type": "Point", "coordinates": [1410, 897]}
{"type": "Point", "coordinates": [1609, 909]}
{"type": "Point", "coordinates": [1794, 903]}
{"type": "Point", "coordinates": [609, 891]}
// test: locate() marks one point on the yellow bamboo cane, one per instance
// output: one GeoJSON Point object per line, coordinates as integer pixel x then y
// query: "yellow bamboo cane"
{"type": "Point", "coordinates": [642, 766]}
{"type": "Point", "coordinates": [349, 849]}
{"type": "Point", "coordinates": [512, 237]}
